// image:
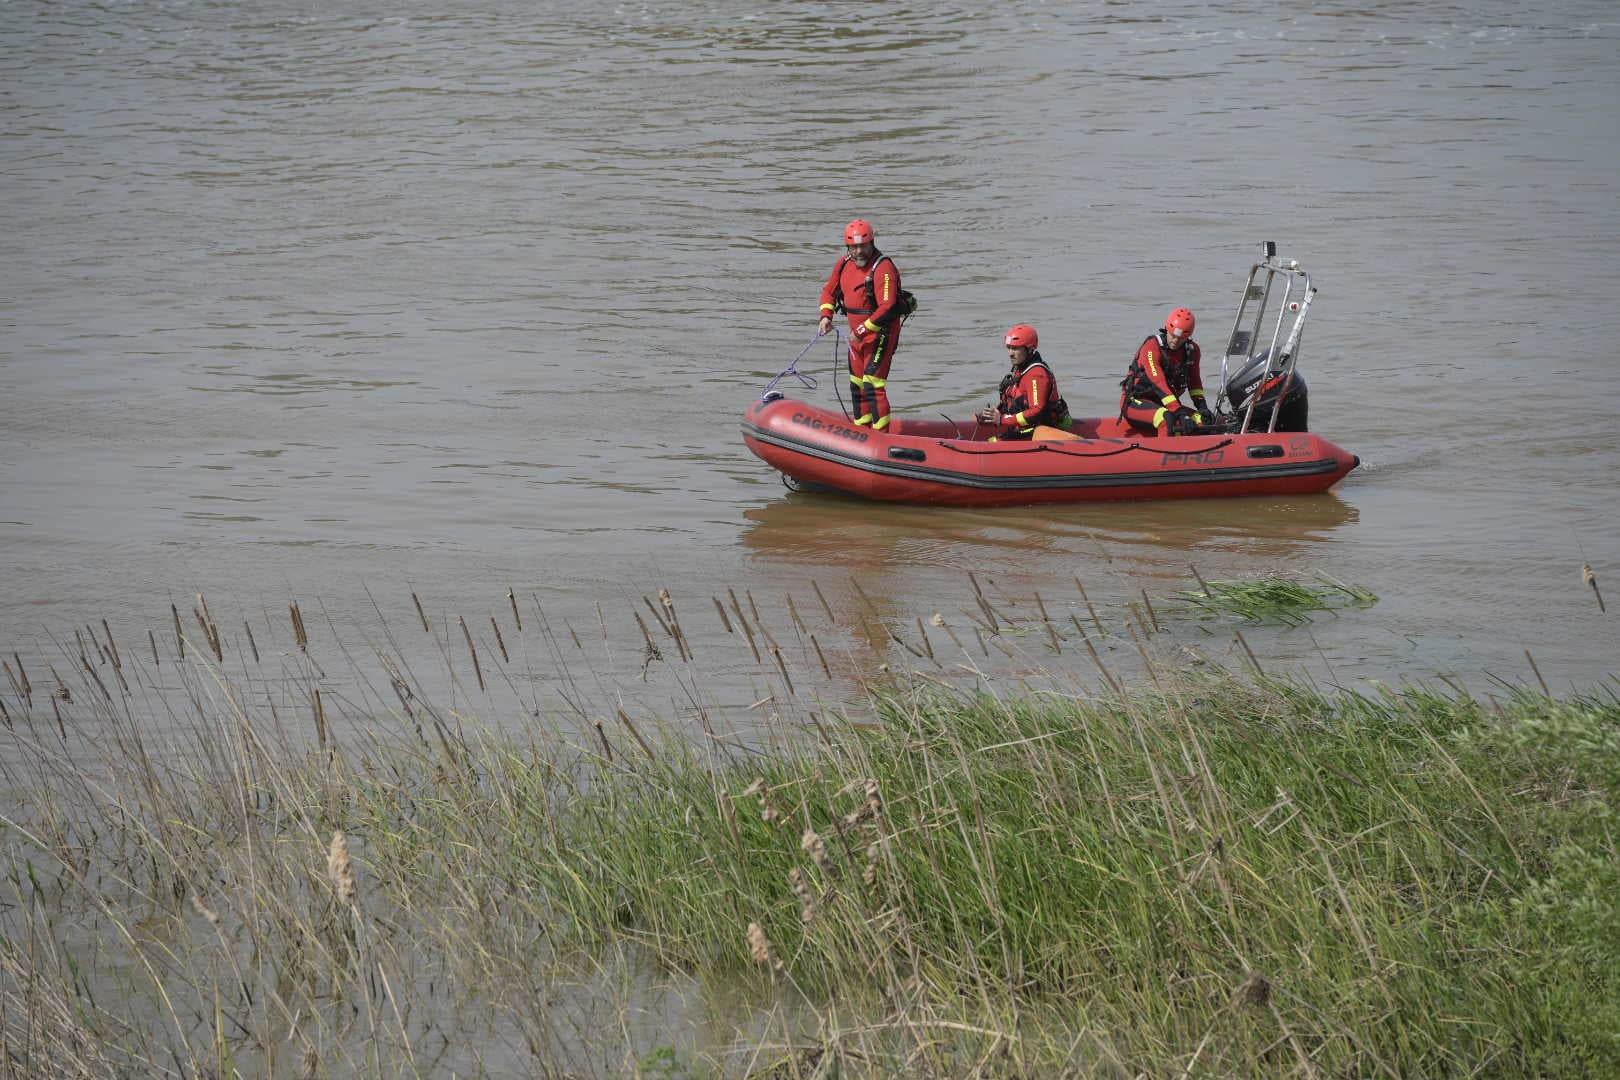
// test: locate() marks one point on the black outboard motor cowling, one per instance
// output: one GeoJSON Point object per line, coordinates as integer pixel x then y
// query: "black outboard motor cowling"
{"type": "Point", "coordinates": [1260, 376]}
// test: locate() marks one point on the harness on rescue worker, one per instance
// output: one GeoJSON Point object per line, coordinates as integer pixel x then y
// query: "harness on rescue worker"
{"type": "Point", "coordinates": [1056, 413]}
{"type": "Point", "coordinates": [908, 299]}
{"type": "Point", "coordinates": [1139, 387]}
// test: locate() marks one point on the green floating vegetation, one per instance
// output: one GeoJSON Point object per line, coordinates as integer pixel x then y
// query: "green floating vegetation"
{"type": "Point", "coordinates": [1275, 599]}
{"type": "Point", "coordinates": [1220, 877]}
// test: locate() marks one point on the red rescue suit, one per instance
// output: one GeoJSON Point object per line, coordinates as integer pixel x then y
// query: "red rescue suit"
{"type": "Point", "coordinates": [1153, 386]}
{"type": "Point", "coordinates": [871, 299]}
{"type": "Point", "coordinates": [1029, 397]}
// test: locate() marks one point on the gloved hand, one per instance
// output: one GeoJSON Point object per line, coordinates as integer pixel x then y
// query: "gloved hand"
{"type": "Point", "coordinates": [1185, 422]}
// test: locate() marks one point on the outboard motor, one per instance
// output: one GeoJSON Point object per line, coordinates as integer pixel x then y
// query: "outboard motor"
{"type": "Point", "coordinates": [1260, 376]}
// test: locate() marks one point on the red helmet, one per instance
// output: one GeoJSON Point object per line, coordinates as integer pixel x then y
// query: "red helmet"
{"type": "Point", "coordinates": [1181, 319]}
{"type": "Point", "coordinates": [1022, 335]}
{"type": "Point", "coordinates": [859, 232]}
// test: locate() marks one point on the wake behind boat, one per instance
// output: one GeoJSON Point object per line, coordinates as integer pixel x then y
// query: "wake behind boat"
{"type": "Point", "coordinates": [1257, 444]}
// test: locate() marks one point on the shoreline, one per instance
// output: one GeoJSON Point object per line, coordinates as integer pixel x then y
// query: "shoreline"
{"type": "Point", "coordinates": [1233, 874]}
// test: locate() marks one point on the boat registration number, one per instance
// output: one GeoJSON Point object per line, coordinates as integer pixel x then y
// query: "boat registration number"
{"type": "Point", "coordinates": [815, 423]}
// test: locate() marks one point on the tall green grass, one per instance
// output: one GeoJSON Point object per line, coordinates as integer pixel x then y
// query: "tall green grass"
{"type": "Point", "coordinates": [1221, 877]}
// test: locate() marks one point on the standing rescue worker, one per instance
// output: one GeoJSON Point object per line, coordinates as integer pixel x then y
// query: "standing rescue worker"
{"type": "Point", "coordinates": [1165, 367]}
{"type": "Point", "coordinates": [865, 285]}
{"type": "Point", "coordinates": [1029, 393]}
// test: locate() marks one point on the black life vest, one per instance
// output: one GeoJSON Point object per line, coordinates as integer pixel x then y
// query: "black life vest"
{"type": "Point", "coordinates": [1138, 386]}
{"type": "Point", "coordinates": [1056, 411]}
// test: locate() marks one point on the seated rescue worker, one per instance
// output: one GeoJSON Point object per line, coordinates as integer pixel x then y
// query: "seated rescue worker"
{"type": "Point", "coordinates": [1029, 393]}
{"type": "Point", "coordinates": [1165, 367]}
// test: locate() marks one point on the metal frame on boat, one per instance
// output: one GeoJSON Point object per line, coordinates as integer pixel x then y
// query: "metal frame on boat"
{"type": "Point", "coordinates": [1249, 327]}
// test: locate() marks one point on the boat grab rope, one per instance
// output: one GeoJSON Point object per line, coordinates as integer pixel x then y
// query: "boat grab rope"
{"type": "Point", "coordinates": [807, 381]}
{"type": "Point", "coordinates": [1035, 448]}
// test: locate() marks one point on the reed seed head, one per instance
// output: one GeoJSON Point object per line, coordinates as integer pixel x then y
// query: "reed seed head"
{"type": "Point", "coordinates": [204, 910]}
{"type": "Point", "coordinates": [768, 809]}
{"type": "Point", "coordinates": [759, 946]}
{"type": "Point", "coordinates": [812, 843]}
{"type": "Point", "coordinates": [340, 868]}
{"type": "Point", "coordinates": [801, 889]}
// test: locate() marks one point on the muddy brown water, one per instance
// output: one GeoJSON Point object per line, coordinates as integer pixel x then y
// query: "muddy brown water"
{"type": "Point", "coordinates": [334, 307]}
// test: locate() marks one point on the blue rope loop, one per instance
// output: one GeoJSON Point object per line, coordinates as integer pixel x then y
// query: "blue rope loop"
{"type": "Point", "coordinates": [770, 393]}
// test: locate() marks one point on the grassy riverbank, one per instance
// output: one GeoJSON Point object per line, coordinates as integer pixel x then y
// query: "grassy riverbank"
{"type": "Point", "coordinates": [1215, 877]}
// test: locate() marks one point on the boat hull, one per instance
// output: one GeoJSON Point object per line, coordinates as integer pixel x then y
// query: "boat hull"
{"type": "Point", "coordinates": [949, 463]}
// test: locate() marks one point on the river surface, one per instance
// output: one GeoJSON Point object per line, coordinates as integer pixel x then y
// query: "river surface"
{"type": "Point", "coordinates": [336, 304]}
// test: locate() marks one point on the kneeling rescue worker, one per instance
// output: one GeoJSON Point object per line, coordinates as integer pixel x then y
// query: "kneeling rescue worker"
{"type": "Point", "coordinates": [1165, 367]}
{"type": "Point", "coordinates": [865, 285]}
{"type": "Point", "coordinates": [1029, 393]}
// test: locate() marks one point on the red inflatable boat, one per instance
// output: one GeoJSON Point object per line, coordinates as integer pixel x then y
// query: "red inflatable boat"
{"type": "Point", "coordinates": [1258, 444]}
{"type": "Point", "coordinates": [938, 461]}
